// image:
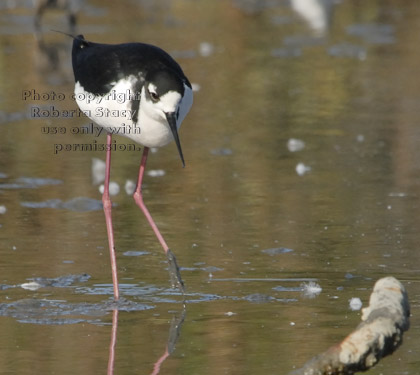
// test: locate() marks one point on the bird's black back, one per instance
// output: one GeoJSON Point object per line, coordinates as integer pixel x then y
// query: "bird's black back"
{"type": "Point", "coordinates": [97, 66]}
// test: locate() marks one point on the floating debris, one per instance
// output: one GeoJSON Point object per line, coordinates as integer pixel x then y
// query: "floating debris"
{"type": "Point", "coordinates": [355, 304]}
{"type": "Point", "coordinates": [156, 173]}
{"type": "Point", "coordinates": [33, 285]}
{"type": "Point", "coordinates": [311, 289]}
{"type": "Point", "coordinates": [114, 188]}
{"type": "Point", "coordinates": [98, 171]}
{"type": "Point", "coordinates": [294, 145]}
{"type": "Point", "coordinates": [195, 87]}
{"type": "Point", "coordinates": [205, 49]}
{"type": "Point", "coordinates": [302, 169]}
{"type": "Point", "coordinates": [317, 14]}
{"type": "Point", "coordinates": [3, 209]}
{"type": "Point", "coordinates": [360, 138]}
{"type": "Point", "coordinates": [130, 187]}
{"type": "Point", "coordinates": [397, 194]}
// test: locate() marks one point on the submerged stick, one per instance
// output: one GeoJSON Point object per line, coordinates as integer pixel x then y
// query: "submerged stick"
{"type": "Point", "coordinates": [380, 334]}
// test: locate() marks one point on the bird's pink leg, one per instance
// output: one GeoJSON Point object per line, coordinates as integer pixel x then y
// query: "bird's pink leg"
{"type": "Point", "coordinates": [106, 201]}
{"type": "Point", "coordinates": [138, 197]}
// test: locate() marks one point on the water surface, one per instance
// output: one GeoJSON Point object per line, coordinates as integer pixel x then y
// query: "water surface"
{"type": "Point", "coordinates": [272, 241]}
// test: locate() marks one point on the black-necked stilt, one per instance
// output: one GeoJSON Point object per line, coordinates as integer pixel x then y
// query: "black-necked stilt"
{"type": "Point", "coordinates": [157, 97]}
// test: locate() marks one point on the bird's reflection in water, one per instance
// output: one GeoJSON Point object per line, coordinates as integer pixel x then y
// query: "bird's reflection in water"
{"type": "Point", "coordinates": [111, 358]}
{"type": "Point", "coordinates": [70, 8]}
{"type": "Point", "coordinates": [52, 59]}
{"type": "Point", "coordinates": [174, 333]}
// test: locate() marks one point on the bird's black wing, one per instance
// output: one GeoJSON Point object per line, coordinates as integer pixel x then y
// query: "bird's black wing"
{"type": "Point", "coordinates": [97, 67]}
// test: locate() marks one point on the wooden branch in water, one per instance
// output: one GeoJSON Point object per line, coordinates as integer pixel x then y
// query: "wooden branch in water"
{"type": "Point", "coordinates": [380, 333]}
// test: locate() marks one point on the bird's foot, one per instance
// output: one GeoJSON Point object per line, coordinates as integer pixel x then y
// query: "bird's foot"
{"type": "Point", "coordinates": [175, 275]}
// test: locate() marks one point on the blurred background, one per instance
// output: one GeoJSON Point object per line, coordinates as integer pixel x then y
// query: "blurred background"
{"type": "Point", "coordinates": [301, 186]}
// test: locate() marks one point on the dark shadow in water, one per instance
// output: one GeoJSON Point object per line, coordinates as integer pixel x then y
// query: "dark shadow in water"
{"type": "Point", "coordinates": [50, 311]}
{"type": "Point", "coordinates": [39, 310]}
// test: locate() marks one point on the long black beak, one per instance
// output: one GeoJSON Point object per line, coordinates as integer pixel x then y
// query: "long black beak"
{"type": "Point", "coordinates": [170, 116]}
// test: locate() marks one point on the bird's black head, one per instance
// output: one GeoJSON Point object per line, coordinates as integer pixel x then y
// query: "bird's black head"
{"type": "Point", "coordinates": [163, 91]}
{"type": "Point", "coordinates": [160, 82]}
